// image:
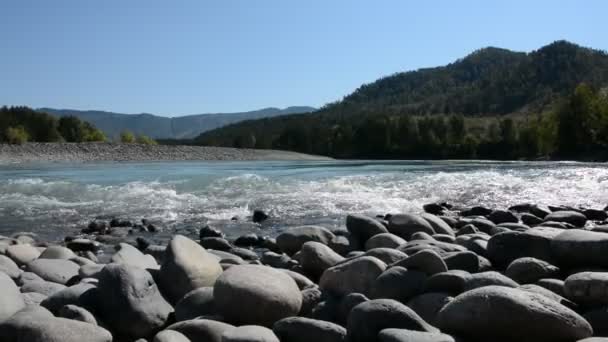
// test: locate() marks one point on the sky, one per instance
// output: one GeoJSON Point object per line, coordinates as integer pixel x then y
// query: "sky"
{"type": "Point", "coordinates": [194, 56]}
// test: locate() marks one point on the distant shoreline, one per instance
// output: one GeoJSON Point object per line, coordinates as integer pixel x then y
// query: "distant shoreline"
{"type": "Point", "coordinates": [93, 152]}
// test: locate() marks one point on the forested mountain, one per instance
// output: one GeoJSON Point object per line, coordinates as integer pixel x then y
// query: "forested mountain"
{"type": "Point", "coordinates": [158, 127]}
{"type": "Point", "coordinates": [461, 110]}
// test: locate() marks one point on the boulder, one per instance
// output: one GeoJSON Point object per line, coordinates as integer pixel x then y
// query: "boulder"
{"type": "Point", "coordinates": [587, 287]}
{"type": "Point", "coordinates": [83, 245]}
{"type": "Point", "coordinates": [81, 294]}
{"type": "Point", "coordinates": [530, 270]}
{"type": "Point", "coordinates": [249, 333]}
{"type": "Point", "coordinates": [404, 335]}
{"type": "Point", "coordinates": [33, 298]}
{"type": "Point", "coordinates": [201, 329]}
{"type": "Point", "coordinates": [467, 261]}
{"type": "Point", "coordinates": [442, 248]}
{"type": "Point", "coordinates": [208, 231]}
{"type": "Point", "coordinates": [567, 216]}
{"type": "Point", "coordinates": [505, 247]}
{"type": "Point", "coordinates": [439, 225]}
{"type": "Point", "coordinates": [488, 278]}
{"type": "Point", "coordinates": [387, 255]}
{"type": "Point", "coordinates": [130, 302]}
{"type": "Point", "coordinates": [427, 261]}
{"type": "Point", "coordinates": [77, 313]}
{"type": "Point", "coordinates": [399, 284]}
{"type": "Point", "coordinates": [428, 305]}
{"type": "Point", "coordinates": [22, 254]}
{"type": "Point", "coordinates": [198, 302]}
{"type": "Point", "coordinates": [301, 280]}
{"type": "Point", "coordinates": [54, 270]}
{"type": "Point", "coordinates": [252, 294]}
{"type": "Point", "coordinates": [481, 313]}
{"type": "Point", "coordinates": [46, 288]}
{"type": "Point", "coordinates": [8, 266]}
{"type": "Point", "coordinates": [301, 329]}
{"type": "Point", "coordinates": [186, 266]}
{"type": "Point", "coordinates": [367, 319]}
{"type": "Point", "coordinates": [316, 257]}
{"type": "Point", "coordinates": [530, 219]}
{"type": "Point", "coordinates": [216, 243]}
{"type": "Point", "coordinates": [10, 298]}
{"type": "Point", "coordinates": [346, 304]}
{"type": "Point", "coordinates": [127, 254]}
{"type": "Point", "coordinates": [57, 252]}
{"type": "Point", "coordinates": [452, 282]}
{"type": "Point", "coordinates": [502, 216]}
{"type": "Point", "coordinates": [356, 275]}
{"type": "Point", "coordinates": [384, 240]}
{"type": "Point", "coordinates": [311, 297]}
{"type": "Point", "coordinates": [168, 336]}
{"type": "Point", "coordinates": [577, 247]}
{"type": "Point", "coordinates": [291, 240]}
{"type": "Point", "coordinates": [364, 227]}
{"type": "Point", "coordinates": [595, 214]}
{"type": "Point", "coordinates": [554, 285]}
{"type": "Point", "coordinates": [549, 294]}
{"type": "Point", "coordinates": [404, 225]}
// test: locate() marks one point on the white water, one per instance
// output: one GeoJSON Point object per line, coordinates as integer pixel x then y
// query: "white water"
{"type": "Point", "coordinates": [55, 199]}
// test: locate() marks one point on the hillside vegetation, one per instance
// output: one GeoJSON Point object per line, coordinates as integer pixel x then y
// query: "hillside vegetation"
{"type": "Point", "coordinates": [494, 103]}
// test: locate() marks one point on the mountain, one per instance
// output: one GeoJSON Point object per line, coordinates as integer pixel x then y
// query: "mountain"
{"type": "Point", "coordinates": [159, 127]}
{"type": "Point", "coordinates": [489, 83]}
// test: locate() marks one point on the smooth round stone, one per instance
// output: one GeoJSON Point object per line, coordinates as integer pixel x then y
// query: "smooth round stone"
{"type": "Point", "coordinates": [81, 294]}
{"type": "Point", "coordinates": [502, 313]}
{"type": "Point", "coordinates": [572, 217]}
{"type": "Point", "coordinates": [404, 335]}
{"type": "Point", "coordinates": [439, 225]}
{"type": "Point", "coordinates": [384, 240]}
{"type": "Point", "coordinates": [202, 329]}
{"type": "Point", "coordinates": [33, 298]}
{"type": "Point", "coordinates": [428, 305]}
{"type": "Point", "coordinates": [399, 284]}
{"type": "Point", "coordinates": [530, 270]}
{"type": "Point", "coordinates": [198, 302]}
{"type": "Point", "coordinates": [387, 255]}
{"type": "Point", "coordinates": [291, 240]}
{"type": "Point", "coordinates": [488, 278]}
{"type": "Point", "coordinates": [404, 225]}
{"type": "Point", "coordinates": [260, 295]}
{"type": "Point", "coordinates": [77, 313]}
{"type": "Point", "coordinates": [364, 227]}
{"type": "Point", "coordinates": [587, 287]}
{"type": "Point", "coordinates": [316, 257]}
{"type": "Point", "coordinates": [8, 266]}
{"type": "Point", "coordinates": [10, 298]}
{"type": "Point", "coordinates": [170, 336]}
{"type": "Point", "coordinates": [427, 261]}
{"type": "Point", "coordinates": [577, 247]}
{"type": "Point", "coordinates": [452, 282]}
{"type": "Point", "coordinates": [467, 261]}
{"type": "Point", "coordinates": [55, 270]}
{"type": "Point", "coordinates": [301, 280]}
{"type": "Point", "coordinates": [129, 255]}
{"type": "Point", "coordinates": [249, 333]}
{"type": "Point", "coordinates": [352, 276]}
{"type": "Point", "coordinates": [57, 252]}
{"type": "Point", "coordinates": [505, 247]}
{"type": "Point", "coordinates": [22, 254]}
{"type": "Point", "coordinates": [46, 288]}
{"type": "Point", "coordinates": [301, 329]}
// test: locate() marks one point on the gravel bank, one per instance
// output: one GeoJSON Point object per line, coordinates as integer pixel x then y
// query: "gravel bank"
{"type": "Point", "coordinates": [90, 152]}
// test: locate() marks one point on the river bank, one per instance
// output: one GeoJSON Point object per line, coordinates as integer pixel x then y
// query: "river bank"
{"type": "Point", "coordinates": [91, 152]}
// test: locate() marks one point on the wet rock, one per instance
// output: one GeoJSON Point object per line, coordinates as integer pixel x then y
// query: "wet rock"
{"type": "Point", "coordinates": [587, 287]}
{"type": "Point", "coordinates": [311, 297]}
{"type": "Point", "coordinates": [452, 282]}
{"type": "Point", "coordinates": [77, 313]}
{"type": "Point", "coordinates": [549, 294]}
{"type": "Point", "coordinates": [276, 260]}
{"type": "Point", "coordinates": [249, 333]}
{"type": "Point", "coordinates": [434, 208]}
{"type": "Point", "coordinates": [439, 225]}
{"type": "Point", "coordinates": [259, 216]}
{"type": "Point", "coordinates": [572, 217]}
{"type": "Point", "coordinates": [476, 211]}
{"type": "Point", "coordinates": [187, 266]}
{"type": "Point", "coordinates": [530, 270]}
{"type": "Point", "coordinates": [554, 285]}
{"type": "Point", "coordinates": [367, 319]}
{"type": "Point", "coordinates": [531, 220]}
{"type": "Point", "coordinates": [428, 305]}
{"type": "Point", "coordinates": [344, 244]}
{"type": "Point", "coordinates": [595, 214]}
{"type": "Point", "coordinates": [251, 294]}
{"type": "Point", "coordinates": [301, 280]}
{"type": "Point", "coordinates": [54, 270]}
{"type": "Point", "coordinates": [130, 302]}
{"type": "Point", "coordinates": [216, 243]}
{"type": "Point", "coordinates": [22, 254]}
{"type": "Point", "coordinates": [427, 261]}
{"type": "Point", "coordinates": [57, 252]}
{"type": "Point", "coordinates": [502, 216]}
{"type": "Point", "coordinates": [364, 227]}
{"type": "Point", "coordinates": [356, 275]}
{"type": "Point", "coordinates": [387, 255]}
{"type": "Point", "coordinates": [480, 314]}
{"type": "Point", "coordinates": [10, 298]}
{"type": "Point", "coordinates": [198, 302]}
{"type": "Point", "coordinates": [489, 278]}
{"type": "Point", "coordinates": [202, 329]}
{"type": "Point", "coordinates": [505, 247]}
{"type": "Point", "coordinates": [384, 240]}
{"type": "Point", "coordinates": [467, 261]}
{"type": "Point", "coordinates": [291, 240]}
{"type": "Point", "coordinates": [207, 232]}
{"type": "Point", "coordinates": [129, 255]}
{"type": "Point", "coordinates": [404, 225]}
{"type": "Point", "coordinates": [442, 248]}
{"type": "Point", "coordinates": [301, 329]}
{"type": "Point", "coordinates": [399, 284]}
{"type": "Point", "coordinates": [247, 240]}
{"type": "Point", "coordinates": [316, 257]}
{"type": "Point", "coordinates": [83, 245]}
{"type": "Point", "coordinates": [579, 247]}
{"type": "Point", "coordinates": [404, 335]}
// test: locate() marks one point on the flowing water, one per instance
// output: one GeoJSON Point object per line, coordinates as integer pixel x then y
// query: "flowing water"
{"type": "Point", "coordinates": [57, 199]}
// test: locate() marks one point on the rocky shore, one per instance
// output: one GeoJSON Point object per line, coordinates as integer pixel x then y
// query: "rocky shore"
{"type": "Point", "coordinates": [91, 152]}
{"type": "Point", "coordinates": [526, 273]}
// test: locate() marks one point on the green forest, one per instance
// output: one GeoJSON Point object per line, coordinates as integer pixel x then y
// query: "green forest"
{"type": "Point", "coordinates": [492, 104]}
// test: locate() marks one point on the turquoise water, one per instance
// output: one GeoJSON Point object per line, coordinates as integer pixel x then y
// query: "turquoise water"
{"type": "Point", "coordinates": [57, 199]}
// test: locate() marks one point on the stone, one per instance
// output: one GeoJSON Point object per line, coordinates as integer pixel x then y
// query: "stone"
{"type": "Point", "coordinates": [476, 211]}
{"type": "Point", "coordinates": [481, 313]}
{"type": "Point", "coordinates": [301, 329]}
{"type": "Point", "coordinates": [10, 298]}
{"type": "Point", "coordinates": [244, 253]}
{"type": "Point", "coordinates": [422, 236]}
{"type": "Point", "coordinates": [404, 335]}
{"type": "Point", "coordinates": [442, 248]}
{"type": "Point", "coordinates": [208, 231]}
{"type": "Point", "coordinates": [55, 270]}
{"type": "Point", "coordinates": [252, 294]}
{"type": "Point", "coordinates": [467, 261]}
{"type": "Point", "coordinates": [201, 329]}
{"type": "Point", "coordinates": [346, 304]}
{"type": "Point", "coordinates": [483, 224]}
{"type": "Point", "coordinates": [439, 225]}
{"type": "Point", "coordinates": [130, 302]}
{"type": "Point", "coordinates": [387, 255]}
{"type": "Point", "coordinates": [198, 302]}
{"type": "Point", "coordinates": [311, 297]}
{"type": "Point", "coordinates": [595, 214]}
{"type": "Point", "coordinates": [46, 288]}
{"type": "Point", "coordinates": [505, 247]}
{"type": "Point", "coordinates": [301, 280]}
{"type": "Point", "coordinates": [549, 294]}
{"type": "Point", "coordinates": [434, 208]}
{"type": "Point", "coordinates": [39, 325]}
{"type": "Point", "coordinates": [399, 284]}
{"type": "Point", "coordinates": [364, 227]}
{"type": "Point", "coordinates": [247, 240]}
{"type": "Point", "coordinates": [530, 270]}
{"type": "Point", "coordinates": [554, 285]}
{"type": "Point", "coordinates": [577, 247]}
{"type": "Point", "coordinates": [22, 254]}
{"type": "Point", "coordinates": [259, 216]}
{"type": "Point", "coordinates": [427, 261]}
{"type": "Point", "coordinates": [344, 244]}
{"type": "Point", "coordinates": [186, 266]}
{"type": "Point", "coordinates": [82, 294]}
{"type": "Point", "coordinates": [404, 225]}
{"type": "Point", "coordinates": [83, 245]}
{"type": "Point", "coordinates": [428, 305]}
{"type": "Point", "coordinates": [291, 240]}
{"type": "Point", "coordinates": [77, 313]}
{"type": "Point", "coordinates": [488, 278]}
{"type": "Point", "coordinates": [356, 275]}
{"type": "Point", "coordinates": [452, 282]}
{"type": "Point", "coordinates": [33, 298]}
{"type": "Point", "coordinates": [384, 240]}
{"type": "Point", "coordinates": [216, 243]}
{"type": "Point", "coordinates": [502, 216]}
{"type": "Point", "coordinates": [531, 220]}
{"type": "Point", "coordinates": [129, 255]}
{"type": "Point", "coordinates": [316, 257]}
{"type": "Point", "coordinates": [90, 271]}
{"type": "Point", "coordinates": [572, 217]}
{"type": "Point", "coordinates": [57, 252]}
{"type": "Point", "coordinates": [8, 266]}
{"type": "Point", "coordinates": [367, 319]}
{"type": "Point", "coordinates": [249, 333]}
{"type": "Point", "coordinates": [169, 336]}
{"type": "Point", "coordinates": [587, 287]}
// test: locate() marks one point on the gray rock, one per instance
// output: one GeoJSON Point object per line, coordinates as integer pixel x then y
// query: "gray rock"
{"type": "Point", "coordinates": [82, 294]}
{"type": "Point", "coordinates": [38, 325]}
{"type": "Point", "coordinates": [404, 335]}
{"type": "Point", "coordinates": [187, 266]}
{"type": "Point", "coordinates": [399, 284]}
{"type": "Point", "coordinates": [251, 294]}
{"type": "Point", "coordinates": [249, 333]}
{"type": "Point", "coordinates": [502, 216]}
{"type": "Point", "coordinates": [445, 238]}
{"type": "Point", "coordinates": [198, 302]}
{"type": "Point", "coordinates": [316, 257]}
{"type": "Point", "coordinates": [482, 279]}
{"type": "Point", "coordinates": [587, 287]}
{"type": "Point", "coordinates": [226, 256]}
{"type": "Point", "coordinates": [344, 244]}
{"type": "Point", "coordinates": [467, 261]}
{"type": "Point", "coordinates": [385, 240]}
{"type": "Point", "coordinates": [291, 240]}
{"type": "Point", "coordinates": [129, 255]}
{"type": "Point", "coordinates": [367, 319]}
{"type": "Point", "coordinates": [442, 248]}
{"type": "Point", "coordinates": [452, 282]}
{"type": "Point", "coordinates": [554, 285]}
{"type": "Point", "coordinates": [422, 236]}
{"type": "Point", "coordinates": [26, 277]}
{"type": "Point", "coordinates": [505, 247]}
{"type": "Point", "coordinates": [404, 225]}
{"type": "Point", "coordinates": [83, 245]}
{"type": "Point", "coordinates": [301, 280]}
{"type": "Point", "coordinates": [57, 252]}
{"type": "Point", "coordinates": [549, 294]}
{"type": "Point", "coordinates": [217, 243]}
{"type": "Point", "coordinates": [481, 314]}
{"type": "Point", "coordinates": [202, 329]}
{"type": "Point", "coordinates": [428, 305]}
{"type": "Point", "coordinates": [345, 306]}
{"type": "Point", "coordinates": [356, 275]}
{"type": "Point", "coordinates": [77, 313]}
{"type": "Point", "coordinates": [530, 219]}
{"type": "Point", "coordinates": [387, 255]}
{"type": "Point", "coordinates": [130, 302]}
{"type": "Point", "coordinates": [530, 270]}
{"type": "Point", "coordinates": [8, 266]}
{"type": "Point", "coordinates": [10, 298]}
{"type": "Point", "coordinates": [90, 271]}
{"type": "Point", "coordinates": [46, 288]}
{"type": "Point", "coordinates": [483, 224]}
{"type": "Point", "coordinates": [33, 298]}
{"type": "Point", "coordinates": [579, 247]}
{"type": "Point", "coordinates": [170, 336]}
{"type": "Point", "coordinates": [22, 254]}
{"type": "Point", "coordinates": [572, 217]}
{"type": "Point", "coordinates": [276, 260]}
{"type": "Point", "coordinates": [54, 270]}
{"type": "Point", "coordinates": [311, 297]}
{"type": "Point", "coordinates": [427, 261]}
{"type": "Point", "coordinates": [301, 329]}
{"type": "Point", "coordinates": [439, 225]}
{"type": "Point", "coordinates": [364, 227]}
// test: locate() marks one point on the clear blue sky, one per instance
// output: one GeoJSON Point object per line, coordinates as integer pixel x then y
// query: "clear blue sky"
{"type": "Point", "coordinates": [186, 57]}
